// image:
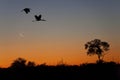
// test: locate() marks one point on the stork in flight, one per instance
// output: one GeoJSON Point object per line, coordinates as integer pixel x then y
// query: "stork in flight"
{"type": "Point", "coordinates": [39, 18]}
{"type": "Point", "coordinates": [26, 10]}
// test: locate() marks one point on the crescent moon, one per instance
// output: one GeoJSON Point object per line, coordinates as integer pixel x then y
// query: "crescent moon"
{"type": "Point", "coordinates": [21, 35]}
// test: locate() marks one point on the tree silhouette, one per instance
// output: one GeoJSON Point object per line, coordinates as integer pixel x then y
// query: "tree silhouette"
{"type": "Point", "coordinates": [19, 63]}
{"type": "Point", "coordinates": [31, 64]}
{"type": "Point", "coordinates": [97, 47]}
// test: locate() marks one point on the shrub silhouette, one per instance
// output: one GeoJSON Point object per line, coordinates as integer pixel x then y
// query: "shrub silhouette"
{"type": "Point", "coordinates": [20, 70]}
{"type": "Point", "coordinates": [97, 47]}
{"type": "Point", "coordinates": [18, 63]}
{"type": "Point", "coordinates": [31, 64]}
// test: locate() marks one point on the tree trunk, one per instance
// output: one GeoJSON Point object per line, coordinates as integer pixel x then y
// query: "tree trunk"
{"type": "Point", "coordinates": [99, 58]}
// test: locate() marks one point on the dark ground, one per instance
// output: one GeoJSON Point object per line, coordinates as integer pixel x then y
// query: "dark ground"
{"type": "Point", "coordinates": [91, 71]}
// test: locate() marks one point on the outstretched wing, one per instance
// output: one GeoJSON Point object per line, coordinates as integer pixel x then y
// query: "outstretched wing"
{"type": "Point", "coordinates": [26, 10]}
{"type": "Point", "coordinates": [36, 17]}
{"type": "Point", "coordinates": [40, 16]}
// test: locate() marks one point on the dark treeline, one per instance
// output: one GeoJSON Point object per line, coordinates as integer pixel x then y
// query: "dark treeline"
{"type": "Point", "coordinates": [20, 70]}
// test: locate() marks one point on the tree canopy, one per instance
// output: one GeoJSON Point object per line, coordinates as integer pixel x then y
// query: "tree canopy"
{"type": "Point", "coordinates": [97, 47]}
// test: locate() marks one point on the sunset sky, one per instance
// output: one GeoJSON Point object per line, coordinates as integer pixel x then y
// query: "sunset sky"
{"type": "Point", "coordinates": [70, 24]}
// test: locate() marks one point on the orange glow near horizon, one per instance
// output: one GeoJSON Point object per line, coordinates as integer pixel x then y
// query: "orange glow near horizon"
{"type": "Point", "coordinates": [51, 51]}
{"type": "Point", "coordinates": [53, 54]}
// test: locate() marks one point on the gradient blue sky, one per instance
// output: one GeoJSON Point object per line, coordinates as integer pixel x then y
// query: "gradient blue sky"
{"type": "Point", "coordinates": [70, 24]}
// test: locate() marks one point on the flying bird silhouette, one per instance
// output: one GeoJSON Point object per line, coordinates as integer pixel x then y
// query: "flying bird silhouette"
{"type": "Point", "coordinates": [39, 18]}
{"type": "Point", "coordinates": [26, 10]}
